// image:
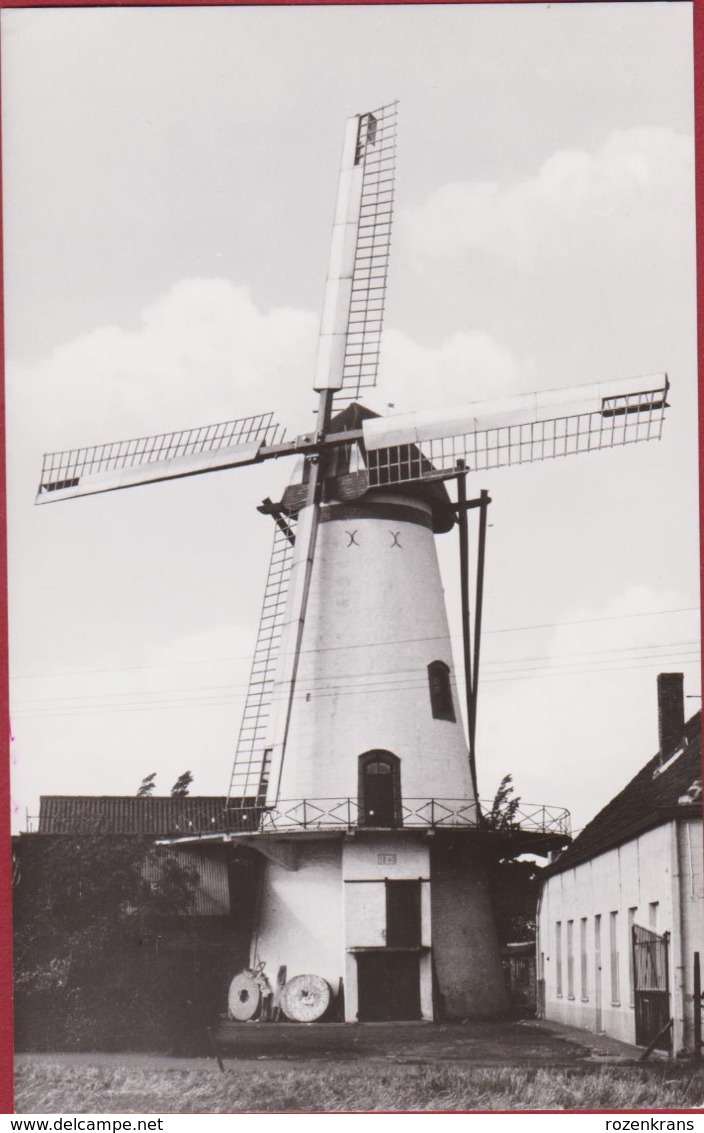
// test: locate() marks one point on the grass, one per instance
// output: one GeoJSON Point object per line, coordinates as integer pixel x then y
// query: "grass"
{"type": "Point", "coordinates": [61, 1086]}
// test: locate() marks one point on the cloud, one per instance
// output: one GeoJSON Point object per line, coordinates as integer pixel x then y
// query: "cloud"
{"type": "Point", "coordinates": [466, 366]}
{"type": "Point", "coordinates": [637, 186]}
{"type": "Point", "coordinates": [205, 352]}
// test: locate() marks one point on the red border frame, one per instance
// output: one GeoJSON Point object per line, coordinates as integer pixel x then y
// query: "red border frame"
{"type": "Point", "coordinates": [6, 1022]}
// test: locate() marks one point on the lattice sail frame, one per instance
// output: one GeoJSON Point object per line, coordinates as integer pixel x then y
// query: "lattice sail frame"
{"type": "Point", "coordinates": [101, 468]}
{"type": "Point", "coordinates": [542, 426]}
{"type": "Point", "coordinates": [376, 152]}
{"type": "Point", "coordinates": [249, 771]}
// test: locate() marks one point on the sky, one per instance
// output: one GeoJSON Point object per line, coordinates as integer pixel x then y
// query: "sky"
{"type": "Point", "coordinates": [168, 185]}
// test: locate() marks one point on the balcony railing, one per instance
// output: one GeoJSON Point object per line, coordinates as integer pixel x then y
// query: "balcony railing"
{"type": "Point", "coordinates": [347, 814]}
{"type": "Point", "coordinates": [343, 814]}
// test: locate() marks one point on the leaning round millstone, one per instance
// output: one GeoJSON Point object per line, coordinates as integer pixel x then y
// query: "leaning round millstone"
{"type": "Point", "coordinates": [244, 997]}
{"type": "Point", "coordinates": [305, 998]}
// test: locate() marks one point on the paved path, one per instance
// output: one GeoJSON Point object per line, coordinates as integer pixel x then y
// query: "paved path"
{"type": "Point", "coordinates": [516, 1043]}
{"type": "Point", "coordinates": [522, 1042]}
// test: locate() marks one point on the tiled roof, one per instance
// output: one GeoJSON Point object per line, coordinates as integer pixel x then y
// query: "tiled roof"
{"type": "Point", "coordinates": [127, 814]}
{"type": "Point", "coordinates": [647, 801]}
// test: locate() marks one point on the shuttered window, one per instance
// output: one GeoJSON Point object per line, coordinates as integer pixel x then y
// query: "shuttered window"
{"type": "Point", "coordinates": [440, 691]}
{"type": "Point", "coordinates": [615, 959]}
{"type": "Point", "coordinates": [570, 959]}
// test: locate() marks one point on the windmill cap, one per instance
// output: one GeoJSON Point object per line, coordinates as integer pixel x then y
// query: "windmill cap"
{"type": "Point", "coordinates": [348, 479]}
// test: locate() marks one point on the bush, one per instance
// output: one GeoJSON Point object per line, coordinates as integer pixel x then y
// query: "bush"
{"type": "Point", "coordinates": [90, 968]}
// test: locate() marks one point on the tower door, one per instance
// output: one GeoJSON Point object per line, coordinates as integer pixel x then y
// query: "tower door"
{"type": "Point", "coordinates": [389, 986]}
{"type": "Point", "coordinates": [379, 790]}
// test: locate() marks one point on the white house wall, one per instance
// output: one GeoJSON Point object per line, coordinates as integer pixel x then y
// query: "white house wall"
{"type": "Point", "coordinates": [636, 881]}
{"type": "Point", "coordinates": [300, 922]}
{"type": "Point", "coordinates": [691, 868]}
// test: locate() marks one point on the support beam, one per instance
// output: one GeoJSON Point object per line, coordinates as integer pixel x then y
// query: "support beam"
{"type": "Point", "coordinates": [485, 500]}
{"type": "Point", "coordinates": [301, 574]}
{"type": "Point", "coordinates": [697, 998]}
{"type": "Point", "coordinates": [268, 507]}
{"type": "Point", "coordinates": [462, 507]}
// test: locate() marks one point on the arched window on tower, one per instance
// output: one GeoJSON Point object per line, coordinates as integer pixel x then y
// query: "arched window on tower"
{"type": "Point", "coordinates": [440, 691]}
{"type": "Point", "coordinates": [380, 789]}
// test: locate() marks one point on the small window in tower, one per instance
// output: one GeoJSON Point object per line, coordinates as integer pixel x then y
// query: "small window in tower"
{"type": "Point", "coordinates": [440, 691]}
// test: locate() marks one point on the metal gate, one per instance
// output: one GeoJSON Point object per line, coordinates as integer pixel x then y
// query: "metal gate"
{"type": "Point", "coordinates": [651, 986]}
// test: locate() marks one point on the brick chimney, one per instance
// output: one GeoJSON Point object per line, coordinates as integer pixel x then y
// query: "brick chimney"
{"type": "Point", "coordinates": [670, 712]}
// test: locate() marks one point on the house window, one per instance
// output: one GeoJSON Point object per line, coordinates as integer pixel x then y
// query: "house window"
{"type": "Point", "coordinates": [440, 691]}
{"type": "Point", "coordinates": [558, 956]}
{"type": "Point", "coordinates": [653, 915]}
{"type": "Point", "coordinates": [380, 789]}
{"type": "Point", "coordinates": [570, 959]}
{"type": "Point", "coordinates": [597, 972]}
{"type": "Point", "coordinates": [631, 973]}
{"type": "Point", "coordinates": [613, 948]}
{"type": "Point", "coordinates": [583, 970]}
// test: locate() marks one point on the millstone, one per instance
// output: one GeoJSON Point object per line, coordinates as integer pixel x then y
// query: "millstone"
{"type": "Point", "coordinates": [244, 997]}
{"type": "Point", "coordinates": [305, 998]}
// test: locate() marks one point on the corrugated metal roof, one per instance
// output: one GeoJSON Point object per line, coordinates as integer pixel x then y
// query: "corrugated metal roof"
{"type": "Point", "coordinates": [647, 801]}
{"type": "Point", "coordinates": [127, 814]}
{"type": "Point", "coordinates": [211, 891]}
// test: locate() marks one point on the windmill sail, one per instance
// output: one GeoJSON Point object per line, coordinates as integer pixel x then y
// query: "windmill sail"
{"type": "Point", "coordinates": [540, 426]}
{"type": "Point", "coordinates": [347, 361]}
{"type": "Point", "coordinates": [250, 770]}
{"type": "Point", "coordinates": [353, 309]}
{"type": "Point", "coordinates": [143, 460]}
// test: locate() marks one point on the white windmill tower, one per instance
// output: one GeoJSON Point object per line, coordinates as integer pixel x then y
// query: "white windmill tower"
{"type": "Point", "coordinates": [352, 776]}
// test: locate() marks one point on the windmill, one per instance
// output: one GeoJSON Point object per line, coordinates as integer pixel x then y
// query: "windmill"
{"type": "Point", "coordinates": [352, 776]}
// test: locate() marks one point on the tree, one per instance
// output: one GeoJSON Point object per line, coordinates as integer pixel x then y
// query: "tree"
{"type": "Point", "coordinates": [502, 815]}
{"type": "Point", "coordinates": [147, 786]}
{"type": "Point", "coordinates": [515, 890]}
{"type": "Point", "coordinates": [180, 787]}
{"type": "Point", "coordinates": [515, 884]}
{"type": "Point", "coordinates": [87, 911]}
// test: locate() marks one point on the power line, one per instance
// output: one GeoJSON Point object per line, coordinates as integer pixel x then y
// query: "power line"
{"type": "Point", "coordinates": [594, 652]}
{"type": "Point", "coordinates": [360, 645]}
{"type": "Point", "coordinates": [605, 618]}
{"type": "Point", "coordinates": [333, 691]}
{"type": "Point", "coordinates": [312, 682]}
